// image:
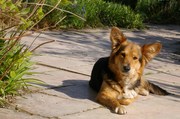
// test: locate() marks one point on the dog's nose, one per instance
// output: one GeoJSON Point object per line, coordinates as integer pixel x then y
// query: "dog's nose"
{"type": "Point", "coordinates": [126, 68]}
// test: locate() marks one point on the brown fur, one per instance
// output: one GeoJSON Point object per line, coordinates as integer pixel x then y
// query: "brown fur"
{"type": "Point", "coordinates": [118, 78]}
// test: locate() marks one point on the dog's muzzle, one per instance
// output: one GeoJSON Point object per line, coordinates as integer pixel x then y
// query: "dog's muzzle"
{"type": "Point", "coordinates": [126, 68]}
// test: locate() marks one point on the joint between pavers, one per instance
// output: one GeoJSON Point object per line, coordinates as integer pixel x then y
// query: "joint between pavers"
{"type": "Point", "coordinates": [19, 109]}
{"type": "Point", "coordinates": [63, 69]}
{"type": "Point", "coordinates": [82, 111]}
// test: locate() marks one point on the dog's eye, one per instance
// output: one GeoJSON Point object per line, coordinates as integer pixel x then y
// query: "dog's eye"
{"type": "Point", "coordinates": [135, 58]}
{"type": "Point", "coordinates": [123, 54]}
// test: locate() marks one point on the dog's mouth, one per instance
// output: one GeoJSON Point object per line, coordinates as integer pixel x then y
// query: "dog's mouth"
{"type": "Point", "coordinates": [125, 73]}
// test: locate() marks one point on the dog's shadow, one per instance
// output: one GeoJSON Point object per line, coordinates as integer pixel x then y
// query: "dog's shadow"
{"type": "Point", "coordinates": [78, 89]}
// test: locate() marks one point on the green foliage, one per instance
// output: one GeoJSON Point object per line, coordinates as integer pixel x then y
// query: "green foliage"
{"type": "Point", "coordinates": [15, 22]}
{"type": "Point", "coordinates": [99, 13]}
{"type": "Point", "coordinates": [120, 15]}
{"type": "Point", "coordinates": [14, 14]}
{"type": "Point", "coordinates": [55, 16]}
{"type": "Point", "coordinates": [15, 65]}
{"type": "Point", "coordinates": [160, 11]}
{"type": "Point", "coordinates": [88, 9]}
{"type": "Point", "coordinates": [131, 3]}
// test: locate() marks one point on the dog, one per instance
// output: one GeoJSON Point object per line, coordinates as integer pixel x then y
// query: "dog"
{"type": "Point", "coordinates": [118, 78]}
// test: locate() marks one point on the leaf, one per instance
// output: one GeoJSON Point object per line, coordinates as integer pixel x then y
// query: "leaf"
{"type": "Point", "coordinates": [25, 11]}
{"type": "Point", "coordinates": [2, 92]}
{"type": "Point", "coordinates": [34, 81]}
{"type": "Point", "coordinates": [4, 5]}
{"type": "Point", "coordinates": [12, 74]}
{"type": "Point", "coordinates": [2, 2]}
{"type": "Point", "coordinates": [12, 7]}
{"type": "Point", "coordinates": [40, 13]}
{"type": "Point", "coordinates": [18, 3]}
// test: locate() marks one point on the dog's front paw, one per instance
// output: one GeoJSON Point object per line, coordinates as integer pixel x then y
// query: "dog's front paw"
{"type": "Point", "coordinates": [129, 94]}
{"type": "Point", "coordinates": [120, 110]}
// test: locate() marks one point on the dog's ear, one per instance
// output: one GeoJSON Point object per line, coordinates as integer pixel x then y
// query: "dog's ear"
{"type": "Point", "coordinates": [149, 51]}
{"type": "Point", "coordinates": [117, 37]}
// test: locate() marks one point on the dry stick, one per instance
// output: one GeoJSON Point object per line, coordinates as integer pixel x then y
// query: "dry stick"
{"type": "Point", "coordinates": [55, 7]}
{"type": "Point", "coordinates": [41, 45]}
{"type": "Point", "coordinates": [10, 47]}
{"type": "Point", "coordinates": [35, 23]}
{"type": "Point", "coordinates": [6, 71]}
{"type": "Point", "coordinates": [17, 20]}
{"type": "Point", "coordinates": [9, 67]}
{"type": "Point", "coordinates": [58, 9]}
{"type": "Point", "coordinates": [34, 10]}
{"type": "Point", "coordinates": [10, 27]}
{"type": "Point", "coordinates": [4, 54]}
{"type": "Point", "coordinates": [16, 37]}
{"type": "Point", "coordinates": [45, 29]}
{"type": "Point", "coordinates": [34, 40]}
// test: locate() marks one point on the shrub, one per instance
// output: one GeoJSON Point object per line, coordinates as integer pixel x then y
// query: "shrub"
{"type": "Point", "coordinates": [160, 11]}
{"type": "Point", "coordinates": [131, 3]}
{"type": "Point", "coordinates": [120, 15]}
{"type": "Point", "coordinates": [55, 16]}
{"type": "Point", "coordinates": [88, 9]}
{"type": "Point", "coordinates": [98, 13]}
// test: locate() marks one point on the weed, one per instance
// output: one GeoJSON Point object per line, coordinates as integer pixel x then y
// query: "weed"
{"type": "Point", "coordinates": [15, 22]}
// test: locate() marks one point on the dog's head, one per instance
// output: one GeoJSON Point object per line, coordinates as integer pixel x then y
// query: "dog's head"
{"type": "Point", "coordinates": [128, 58]}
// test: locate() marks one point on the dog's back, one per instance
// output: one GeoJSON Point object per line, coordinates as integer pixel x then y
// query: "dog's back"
{"type": "Point", "coordinates": [99, 69]}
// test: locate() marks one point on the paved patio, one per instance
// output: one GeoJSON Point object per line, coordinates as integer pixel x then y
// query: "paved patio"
{"type": "Point", "coordinates": [67, 63]}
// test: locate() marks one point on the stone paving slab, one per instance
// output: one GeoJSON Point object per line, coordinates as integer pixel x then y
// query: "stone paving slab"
{"type": "Point", "coordinates": [145, 107]}
{"type": "Point", "coordinates": [68, 96]}
{"type": "Point", "coordinates": [142, 110]}
{"type": "Point", "coordinates": [50, 106]}
{"type": "Point", "coordinates": [14, 114]}
{"type": "Point", "coordinates": [74, 64]}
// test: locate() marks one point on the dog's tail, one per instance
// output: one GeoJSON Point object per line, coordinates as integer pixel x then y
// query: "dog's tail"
{"type": "Point", "coordinates": [155, 89]}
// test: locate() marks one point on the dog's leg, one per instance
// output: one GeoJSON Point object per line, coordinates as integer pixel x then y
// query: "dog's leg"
{"type": "Point", "coordinates": [108, 97]}
{"type": "Point", "coordinates": [125, 101]}
{"type": "Point", "coordinates": [129, 93]}
{"type": "Point", "coordinates": [111, 103]}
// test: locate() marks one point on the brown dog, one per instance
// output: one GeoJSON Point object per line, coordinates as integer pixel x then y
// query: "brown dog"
{"type": "Point", "coordinates": [118, 78]}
